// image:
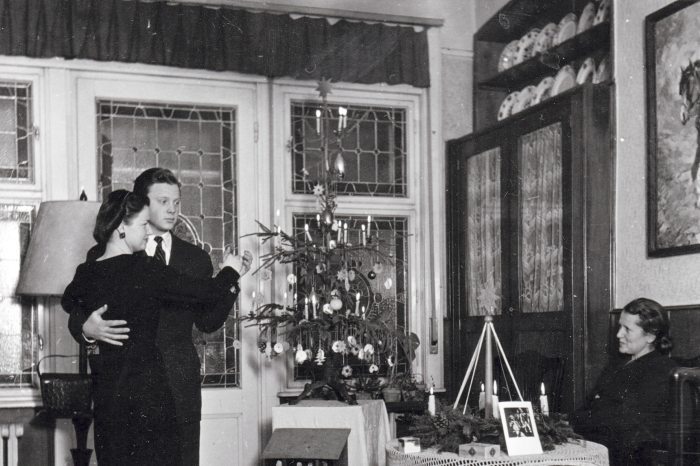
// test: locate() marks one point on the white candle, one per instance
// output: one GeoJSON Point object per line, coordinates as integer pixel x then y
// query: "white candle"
{"type": "Point", "coordinates": [345, 232]}
{"type": "Point", "coordinates": [363, 313]}
{"type": "Point", "coordinates": [253, 303]}
{"type": "Point", "coordinates": [364, 237]}
{"type": "Point", "coordinates": [306, 230]}
{"type": "Point", "coordinates": [340, 231]}
{"type": "Point", "coordinates": [544, 403]}
{"type": "Point", "coordinates": [496, 415]}
{"type": "Point", "coordinates": [318, 220]}
{"type": "Point", "coordinates": [340, 118]}
{"type": "Point", "coordinates": [286, 303]}
{"type": "Point", "coordinates": [369, 225]}
{"type": "Point", "coordinates": [314, 304]}
{"type": "Point", "coordinates": [431, 402]}
{"type": "Point", "coordinates": [357, 304]}
{"type": "Point", "coordinates": [306, 308]}
{"type": "Point", "coordinates": [318, 121]}
{"type": "Point", "coordinates": [482, 398]}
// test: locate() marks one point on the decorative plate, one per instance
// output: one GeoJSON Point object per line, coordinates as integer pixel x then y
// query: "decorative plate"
{"type": "Point", "coordinates": [524, 99]}
{"type": "Point", "coordinates": [585, 73]}
{"type": "Point", "coordinates": [507, 105]}
{"type": "Point", "coordinates": [567, 30]}
{"type": "Point", "coordinates": [545, 38]}
{"type": "Point", "coordinates": [543, 90]}
{"type": "Point", "coordinates": [603, 13]}
{"type": "Point", "coordinates": [586, 19]}
{"type": "Point", "coordinates": [602, 73]}
{"type": "Point", "coordinates": [526, 44]}
{"type": "Point", "coordinates": [507, 56]}
{"type": "Point", "coordinates": [564, 80]}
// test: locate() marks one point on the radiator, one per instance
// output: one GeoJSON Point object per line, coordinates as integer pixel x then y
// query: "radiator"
{"type": "Point", "coordinates": [11, 434]}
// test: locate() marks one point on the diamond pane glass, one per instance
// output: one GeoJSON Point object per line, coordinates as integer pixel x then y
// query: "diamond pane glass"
{"type": "Point", "coordinates": [18, 325]}
{"type": "Point", "coordinates": [372, 146]}
{"type": "Point", "coordinates": [199, 145]}
{"type": "Point", "coordinates": [382, 283]}
{"type": "Point", "coordinates": [16, 141]}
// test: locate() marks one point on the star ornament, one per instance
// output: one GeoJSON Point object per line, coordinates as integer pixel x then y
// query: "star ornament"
{"type": "Point", "coordinates": [324, 87]}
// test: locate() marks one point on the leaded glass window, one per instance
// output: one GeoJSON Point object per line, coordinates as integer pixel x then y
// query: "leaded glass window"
{"type": "Point", "coordinates": [381, 276]}
{"type": "Point", "coordinates": [372, 146]}
{"type": "Point", "coordinates": [198, 143]}
{"type": "Point", "coordinates": [16, 131]}
{"type": "Point", "coordinates": [19, 319]}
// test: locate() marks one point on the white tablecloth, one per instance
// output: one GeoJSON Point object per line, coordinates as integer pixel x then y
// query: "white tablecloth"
{"type": "Point", "coordinates": [368, 423]}
{"type": "Point", "coordinates": [570, 454]}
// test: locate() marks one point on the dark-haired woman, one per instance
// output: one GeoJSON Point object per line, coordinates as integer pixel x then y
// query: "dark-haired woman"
{"type": "Point", "coordinates": [627, 410]}
{"type": "Point", "coordinates": [135, 421]}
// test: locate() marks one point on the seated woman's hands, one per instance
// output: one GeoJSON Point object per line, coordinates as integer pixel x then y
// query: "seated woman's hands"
{"type": "Point", "coordinates": [239, 263]}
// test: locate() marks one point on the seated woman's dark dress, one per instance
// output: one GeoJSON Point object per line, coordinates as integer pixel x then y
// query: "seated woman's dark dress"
{"type": "Point", "coordinates": [628, 408]}
{"type": "Point", "coordinates": [135, 420]}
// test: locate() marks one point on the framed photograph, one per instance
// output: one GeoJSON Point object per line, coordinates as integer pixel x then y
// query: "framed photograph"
{"type": "Point", "coordinates": [673, 129]}
{"type": "Point", "coordinates": [519, 428]}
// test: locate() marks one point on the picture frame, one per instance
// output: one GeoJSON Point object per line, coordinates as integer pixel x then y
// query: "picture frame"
{"type": "Point", "coordinates": [519, 428]}
{"type": "Point", "coordinates": [673, 129]}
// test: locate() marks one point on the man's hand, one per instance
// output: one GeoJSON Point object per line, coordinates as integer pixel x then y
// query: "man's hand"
{"type": "Point", "coordinates": [108, 331]}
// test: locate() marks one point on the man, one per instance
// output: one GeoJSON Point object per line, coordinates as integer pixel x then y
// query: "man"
{"type": "Point", "coordinates": [175, 326]}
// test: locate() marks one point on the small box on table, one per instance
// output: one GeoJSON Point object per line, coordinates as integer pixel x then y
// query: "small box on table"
{"type": "Point", "coordinates": [479, 450]}
{"type": "Point", "coordinates": [409, 444]}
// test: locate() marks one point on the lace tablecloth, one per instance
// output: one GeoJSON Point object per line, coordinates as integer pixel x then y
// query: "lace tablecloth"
{"type": "Point", "coordinates": [368, 423]}
{"type": "Point", "coordinates": [570, 454]}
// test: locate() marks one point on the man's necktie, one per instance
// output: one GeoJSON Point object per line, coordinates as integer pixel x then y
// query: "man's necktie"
{"type": "Point", "coordinates": [159, 255]}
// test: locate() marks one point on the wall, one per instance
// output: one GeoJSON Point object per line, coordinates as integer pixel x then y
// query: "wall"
{"type": "Point", "coordinates": [673, 280]}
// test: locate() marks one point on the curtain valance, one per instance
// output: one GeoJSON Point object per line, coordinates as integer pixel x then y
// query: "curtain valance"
{"type": "Point", "coordinates": [221, 39]}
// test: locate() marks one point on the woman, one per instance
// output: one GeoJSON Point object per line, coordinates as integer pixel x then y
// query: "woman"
{"type": "Point", "coordinates": [133, 405]}
{"type": "Point", "coordinates": [627, 409]}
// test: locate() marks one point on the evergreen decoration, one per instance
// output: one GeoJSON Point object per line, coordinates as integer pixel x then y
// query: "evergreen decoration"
{"type": "Point", "coordinates": [331, 322]}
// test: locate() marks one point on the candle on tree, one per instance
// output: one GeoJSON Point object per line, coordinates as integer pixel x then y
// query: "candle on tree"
{"type": "Point", "coordinates": [318, 121]}
{"type": "Point", "coordinates": [544, 403]}
{"type": "Point", "coordinates": [482, 398]}
{"type": "Point", "coordinates": [306, 231]}
{"type": "Point", "coordinates": [345, 232]}
{"type": "Point", "coordinates": [364, 236]}
{"type": "Point", "coordinates": [369, 225]}
{"type": "Point", "coordinates": [357, 304]}
{"type": "Point", "coordinates": [306, 308]}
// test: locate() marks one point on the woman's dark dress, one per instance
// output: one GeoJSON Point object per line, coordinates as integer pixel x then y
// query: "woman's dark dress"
{"type": "Point", "coordinates": [135, 420]}
{"type": "Point", "coordinates": [628, 408]}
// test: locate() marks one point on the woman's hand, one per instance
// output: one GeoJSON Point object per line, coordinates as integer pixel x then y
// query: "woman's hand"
{"type": "Point", "coordinates": [240, 264]}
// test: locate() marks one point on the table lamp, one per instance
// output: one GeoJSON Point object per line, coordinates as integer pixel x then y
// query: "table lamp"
{"type": "Point", "coordinates": [59, 242]}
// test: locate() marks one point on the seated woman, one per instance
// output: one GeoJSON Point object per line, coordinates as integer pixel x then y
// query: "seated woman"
{"type": "Point", "coordinates": [134, 413]}
{"type": "Point", "coordinates": [628, 407]}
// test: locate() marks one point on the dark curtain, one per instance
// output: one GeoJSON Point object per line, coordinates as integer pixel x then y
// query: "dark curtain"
{"type": "Point", "coordinates": [222, 39]}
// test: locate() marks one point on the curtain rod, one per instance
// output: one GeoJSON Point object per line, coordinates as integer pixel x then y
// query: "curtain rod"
{"type": "Point", "coordinates": [272, 7]}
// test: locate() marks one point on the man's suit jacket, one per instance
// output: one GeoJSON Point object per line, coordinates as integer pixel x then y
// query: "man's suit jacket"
{"type": "Point", "coordinates": [175, 330]}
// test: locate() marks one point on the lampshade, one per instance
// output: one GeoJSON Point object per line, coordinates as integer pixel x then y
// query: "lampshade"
{"type": "Point", "coordinates": [61, 238]}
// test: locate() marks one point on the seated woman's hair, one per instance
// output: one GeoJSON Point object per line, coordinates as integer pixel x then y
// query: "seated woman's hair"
{"type": "Point", "coordinates": [653, 319]}
{"type": "Point", "coordinates": [120, 205]}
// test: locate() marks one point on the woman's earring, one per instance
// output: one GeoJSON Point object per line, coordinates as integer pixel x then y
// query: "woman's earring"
{"type": "Point", "coordinates": [122, 235]}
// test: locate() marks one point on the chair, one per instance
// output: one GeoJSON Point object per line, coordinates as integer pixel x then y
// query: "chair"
{"type": "Point", "coordinates": [684, 435]}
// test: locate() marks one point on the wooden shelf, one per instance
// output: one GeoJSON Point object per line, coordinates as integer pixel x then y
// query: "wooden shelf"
{"type": "Point", "coordinates": [519, 16]}
{"type": "Point", "coordinates": [548, 63]}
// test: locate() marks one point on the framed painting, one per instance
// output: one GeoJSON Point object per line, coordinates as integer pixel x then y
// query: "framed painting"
{"type": "Point", "coordinates": [673, 129]}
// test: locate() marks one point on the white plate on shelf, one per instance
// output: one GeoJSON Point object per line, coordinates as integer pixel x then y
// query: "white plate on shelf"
{"type": "Point", "coordinates": [567, 19]}
{"type": "Point", "coordinates": [526, 44]}
{"type": "Point", "coordinates": [545, 38]}
{"type": "Point", "coordinates": [507, 57]}
{"type": "Point", "coordinates": [507, 105]}
{"type": "Point", "coordinates": [603, 13]}
{"type": "Point", "coordinates": [602, 73]}
{"type": "Point", "coordinates": [585, 73]}
{"type": "Point", "coordinates": [567, 30]}
{"type": "Point", "coordinates": [585, 21]}
{"type": "Point", "coordinates": [564, 80]}
{"type": "Point", "coordinates": [524, 99]}
{"type": "Point", "coordinates": [543, 90]}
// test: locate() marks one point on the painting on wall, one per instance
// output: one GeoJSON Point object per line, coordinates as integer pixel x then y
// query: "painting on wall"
{"type": "Point", "coordinates": [673, 129]}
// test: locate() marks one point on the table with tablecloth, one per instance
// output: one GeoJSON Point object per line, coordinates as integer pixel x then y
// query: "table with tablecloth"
{"type": "Point", "coordinates": [368, 423]}
{"type": "Point", "coordinates": [581, 453]}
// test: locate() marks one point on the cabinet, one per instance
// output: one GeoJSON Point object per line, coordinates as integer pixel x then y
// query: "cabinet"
{"type": "Point", "coordinates": [513, 21]}
{"type": "Point", "coordinates": [529, 220]}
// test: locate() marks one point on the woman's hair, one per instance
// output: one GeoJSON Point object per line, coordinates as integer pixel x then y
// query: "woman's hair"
{"type": "Point", "coordinates": [154, 175]}
{"type": "Point", "coordinates": [653, 319]}
{"type": "Point", "coordinates": [120, 205]}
